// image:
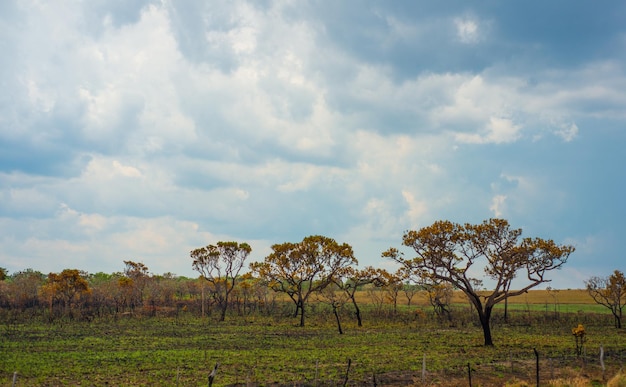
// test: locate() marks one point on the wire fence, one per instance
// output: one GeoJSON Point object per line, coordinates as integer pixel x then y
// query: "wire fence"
{"type": "Point", "coordinates": [536, 368]}
{"type": "Point", "coordinates": [592, 368]}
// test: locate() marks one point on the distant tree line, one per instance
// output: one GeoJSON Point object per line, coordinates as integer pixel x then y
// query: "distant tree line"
{"type": "Point", "coordinates": [315, 271]}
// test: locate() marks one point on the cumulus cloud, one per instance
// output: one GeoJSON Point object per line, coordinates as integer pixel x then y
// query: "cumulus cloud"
{"type": "Point", "coordinates": [498, 205]}
{"type": "Point", "coordinates": [155, 127]}
{"type": "Point", "coordinates": [417, 208]}
{"type": "Point", "coordinates": [467, 30]}
{"type": "Point", "coordinates": [498, 131]}
{"type": "Point", "coordinates": [568, 133]}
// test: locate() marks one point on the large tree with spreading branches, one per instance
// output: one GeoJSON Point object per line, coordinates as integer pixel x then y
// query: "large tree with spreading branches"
{"type": "Point", "coordinates": [303, 268]}
{"type": "Point", "coordinates": [220, 265]}
{"type": "Point", "coordinates": [609, 292]}
{"type": "Point", "coordinates": [454, 253]}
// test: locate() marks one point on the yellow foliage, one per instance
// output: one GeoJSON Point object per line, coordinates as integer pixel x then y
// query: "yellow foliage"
{"type": "Point", "coordinates": [579, 331]}
{"type": "Point", "coordinates": [618, 380]}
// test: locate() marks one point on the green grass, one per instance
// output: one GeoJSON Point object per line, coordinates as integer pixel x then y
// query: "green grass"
{"type": "Point", "coordinates": [559, 308]}
{"type": "Point", "coordinates": [170, 352]}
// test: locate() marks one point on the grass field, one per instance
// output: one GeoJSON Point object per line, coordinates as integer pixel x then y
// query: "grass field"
{"type": "Point", "coordinates": [256, 350]}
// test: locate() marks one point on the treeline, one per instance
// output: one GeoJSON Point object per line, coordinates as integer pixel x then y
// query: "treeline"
{"type": "Point", "coordinates": [135, 292]}
{"type": "Point", "coordinates": [316, 270]}
{"type": "Point", "coordinates": [78, 295]}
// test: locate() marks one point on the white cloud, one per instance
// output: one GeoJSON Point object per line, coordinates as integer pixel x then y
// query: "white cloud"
{"type": "Point", "coordinates": [498, 131]}
{"type": "Point", "coordinates": [417, 208]}
{"type": "Point", "coordinates": [498, 205]}
{"type": "Point", "coordinates": [102, 169]}
{"type": "Point", "coordinates": [568, 133]}
{"type": "Point", "coordinates": [90, 223]}
{"type": "Point", "coordinates": [467, 30]}
{"type": "Point", "coordinates": [186, 123]}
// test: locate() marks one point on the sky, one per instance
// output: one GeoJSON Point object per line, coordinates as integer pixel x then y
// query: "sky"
{"type": "Point", "coordinates": [140, 130]}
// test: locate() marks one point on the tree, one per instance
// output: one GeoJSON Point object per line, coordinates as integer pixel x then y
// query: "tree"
{"type": "Point", "coordinates": [104, 292]}
{"type": "Point", "coordinates": [450, 252]}
{"type": "Point", "coordinates": [66, 286]}
{"type": "Point", "coordinates": [134, 282]}
{"type": "Point", "coordinates": [440, 296]}
{"type": "Point", "coordinates": [300, 269]}
{"type": "Point", "coordinates": [609, 292]}
{"type": "Point", "coordinates": [24, 288]}
{"type": "Point", "coordinates": [334, 296]}
{"type": "Point", "coordinates": [3, 273]}
{"type": "Point", "coordinates": [220, 265]}
{"type": "Point", "coordinates": [391, 284]}
{"type": "Point", "coordinates": [410, 290]}
{"type": "Point", "coordinates": [352, 280]}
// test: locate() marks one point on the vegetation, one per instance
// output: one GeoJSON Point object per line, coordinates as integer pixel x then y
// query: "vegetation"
{"type": "Point", "coordinates": [301, 269]}
{"type": "Point", "coordinates": [267, 347]}
{"type": "Point", "coordinates": [415, 326]}
{"type": "Point", "coordinates": [447, 252]}
{"type": "Point", "coordinates": [220, 266]}
{"type": "Point", "coordinates": [609, 292]}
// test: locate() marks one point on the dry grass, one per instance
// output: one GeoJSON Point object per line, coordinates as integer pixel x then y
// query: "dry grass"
{"type": "Point", "coordinates": [533, 297]}
{"type": "Point", "coordinates": [618, 380]}
{"type": "Point", "coordinates": [582, 380]}
{"type": "Point", "coordinates": [573, 296]}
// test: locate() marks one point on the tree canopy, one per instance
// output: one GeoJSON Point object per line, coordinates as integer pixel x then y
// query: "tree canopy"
{"type": "Point", "coordinates": [220, 264]}
{"type": "Point", "coordinates": [302, 268]}
{"type": "Point", "coordinates": [610, 292]}
{"type": "Point", "coordinates": [451, 252]}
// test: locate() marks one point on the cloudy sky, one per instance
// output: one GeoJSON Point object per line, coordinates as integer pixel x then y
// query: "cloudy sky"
{"type": "Point", "coordinates": [139, 130]}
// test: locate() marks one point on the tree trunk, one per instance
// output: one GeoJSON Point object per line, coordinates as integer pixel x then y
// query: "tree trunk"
{"type": "Point", "coordinates": [300, 308]}
{"type": "Point", "coordinates": [618, 320]}
{"type": "Point", "coordinates": [223, 312]}
{"type": "Point", "coordinates": [506, 310]}
{"type": "Point", "coordinates": [357, 311]}
{"type": "Point", "coordinates": [302, 315]}
{"type": "Point", "coordinates": [337, 318]}
{"type": "Point", "coordinates": [485, 317]}
{"type": "Point", "coordinates": [298, 303]}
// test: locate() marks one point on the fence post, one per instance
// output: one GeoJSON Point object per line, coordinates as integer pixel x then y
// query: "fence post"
{"type": "Point", "coordinates": [602, 361]}
{"type": "Point", "coordinates": [212, 374]}
{"type": "Point", "coordinates": [551, 368]}
{"type": "Point", "coordinates": [537, 361]}
{"type": "Point", "coordinates": [469, 374]}
{"type": "Point", "coordinates": [345, 382]}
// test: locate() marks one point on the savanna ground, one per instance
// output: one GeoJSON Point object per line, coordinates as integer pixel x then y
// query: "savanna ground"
{"type": "Point", "coordinates": [391, 348]}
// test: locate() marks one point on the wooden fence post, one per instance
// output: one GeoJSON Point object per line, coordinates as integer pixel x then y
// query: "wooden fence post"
{"type": "Point", "coordinates": [551, 368]}
{"type": "Point", "coordinates": [212, 374]}
{"type": "Point", "coordinates": [469, 374]}
{"type": "Point", "coordinates": [602, 362]}
{"type": "Point", "coordinates": [537, 361]}
{"type": "Point", "coordinates": [345, 382]}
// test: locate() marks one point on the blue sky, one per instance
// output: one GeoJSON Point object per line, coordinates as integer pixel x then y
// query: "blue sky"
{"type": "Point", "coordinates": [140, 130]}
